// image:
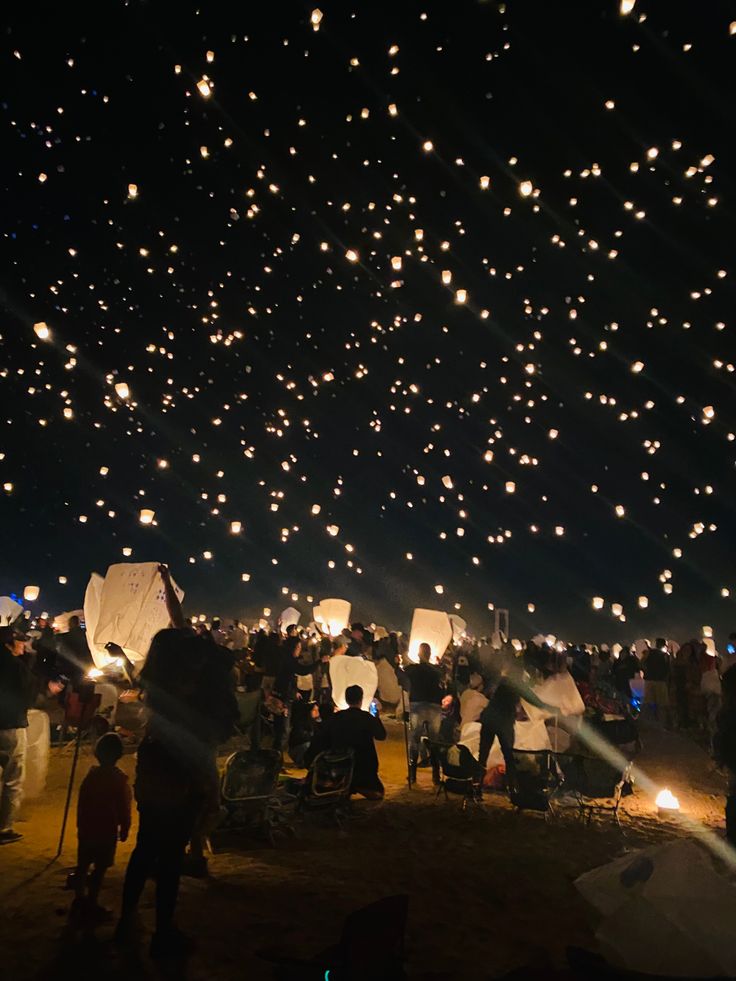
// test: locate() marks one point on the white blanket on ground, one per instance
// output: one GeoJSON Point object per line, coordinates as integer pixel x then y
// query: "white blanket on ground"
{"type": "Point", "coordinates": [527, 735]}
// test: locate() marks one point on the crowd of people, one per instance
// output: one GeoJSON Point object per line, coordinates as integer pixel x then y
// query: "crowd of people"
{"type": "Point", "coordinates": [188, 687]}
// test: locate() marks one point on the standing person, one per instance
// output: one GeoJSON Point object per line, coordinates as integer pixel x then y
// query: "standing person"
{"type": "Point", "coordinates": [18, 691]}
{"type": "Point", "coordinates": [287, 668]}
{"type": "Point", "coordinates": [357, 730]}
{"type": "Point", "coordinates": [425, 704]}
{"type": "Point", "coordinates": [103, 817]}
{"type": "Point", "coordinates": [74, 654]}
{"type": "Point", "coordinates": [191, 707]}
{"type": "Point", "coordinates": [217, 633]}
{"type": "Point", "coordinates": [237, 641]}
{"type": "Point", "coordinates": [724, 745]}
{"type": "Point", "coordinates": [656, 667]}
{"type": "Point", "coordinates": [498, 717]}
{"type": "Point", "coordinates": [710, 689]}
{"type": "Point", "coordinates": [625, 670]}
{"type": "Point", "coordinates": [682, 670]}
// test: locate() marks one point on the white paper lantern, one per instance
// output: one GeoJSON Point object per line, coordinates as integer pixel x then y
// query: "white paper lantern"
{"type": "Point", "coordinates": [643, 602]}
{"type": "Point", "coordinates": [122, 390]}
{"type": "Point", "coordinates": [289, 617]}
{"type": "Point", "coordinates": [31, 593]}
{"type": "Point", "coordinates": [146, 516]}
{"type": "Point", "coordinates": [333, 615]}
{"type": "Point", "coordinates": [617, 609]}
{"type": "Point", "coordinates": [431, 627]}
{"type": "Point", "coordinates": [707, 631]}
{"type": "Point", "coordinates": [346, 671]}
{"type": "Point", "coordinates": [598, 602]}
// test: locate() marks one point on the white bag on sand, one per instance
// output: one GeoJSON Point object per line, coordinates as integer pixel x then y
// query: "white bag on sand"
{"type": "Point", "coordinates": [389, 689]}
{"type": "Point", "coordinates": [37, 753]}
{"type": "Point", "coordinates": [346, 671]}
{"type": "Point", "coordinates": [132, 608]}
{"type": "Point", "coordinates": [665, 910]}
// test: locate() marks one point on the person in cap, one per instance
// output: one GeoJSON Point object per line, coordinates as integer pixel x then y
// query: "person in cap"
{"type": "Point", "coordinates": [18, 691]}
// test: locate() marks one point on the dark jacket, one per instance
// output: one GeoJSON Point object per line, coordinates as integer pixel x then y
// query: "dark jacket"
{"type": "Point", "coordinates": [18, 690]}
{"type": "Point", "coordinates": [656, 665]}
{"type": "Point", "coordinates": [351, 729]}
{"type": "Point", "coordinates": [424, 683]}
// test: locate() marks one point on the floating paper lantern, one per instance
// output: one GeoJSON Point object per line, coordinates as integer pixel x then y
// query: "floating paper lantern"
{"type": "Point", "coordinates": [510, 487]}
{"type": "Point", "coordinates": [458, 627]}
{"type": "Point", "coordinates": [31, 593]}
{"type": "Point", "coordinates": [235, 527]}
{"type": "Point", "coordinates": [146, 516]}
{"type": "Point", "coordinates": [132, 191]}
{"type": "Point", "coordinates": [42, 331]}
{"type": "Point", "coordinates": [617, 609]}
{"type": "Point", "coordinates": [122, 390]}
{"type": "Point", "coordinates": [707, 632]}
{"type": "Point", "coordinates": [626, 6]}
{"type": "Point", "coordinates": [289, 617]}
{"type": "Point", "coordinates": [598, 602]}
{"type": "Point", "coordinates": [204, 87]}
{"type": "Point", "coordinates": [333, 615]}
{"type": "Point", "coordinates": [526, 188]}
{"type": "Point", "coordinates": [643, 602]}
{"type": "Point", "coordinates": [431, 627]}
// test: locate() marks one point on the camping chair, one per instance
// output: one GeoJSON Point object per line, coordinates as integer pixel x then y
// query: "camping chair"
{"type": "Point", "coordinates": [249, 715]}
{"type": "Point", "coordinates": [326, 789]}
{"type": "Point", "coordinates": [595, 784]}
{"type": "Point", "coordinates": [535, 779]}
{"type": "Point", "coordinates": [249, 797]}
{"type": "Point", "coordinates": [459, 772]}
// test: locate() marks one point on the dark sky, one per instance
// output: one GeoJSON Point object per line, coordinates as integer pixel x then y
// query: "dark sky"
{"type": "Point", "coordinates": [223, 295]}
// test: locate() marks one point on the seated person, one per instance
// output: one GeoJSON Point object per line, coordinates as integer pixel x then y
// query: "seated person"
{"type": "Point", "coordinates": [352, 729]}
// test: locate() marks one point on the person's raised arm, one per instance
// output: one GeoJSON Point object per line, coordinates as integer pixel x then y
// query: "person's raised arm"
{"type": "Point", "coordinates": [173, 606]}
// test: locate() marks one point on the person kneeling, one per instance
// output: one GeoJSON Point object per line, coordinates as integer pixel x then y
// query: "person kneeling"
{"type": "Point", "coordinates": [357, 730]}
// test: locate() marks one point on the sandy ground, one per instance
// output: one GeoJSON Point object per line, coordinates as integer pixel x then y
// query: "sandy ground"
{"type": "Point", "coordinates": [490, 891]}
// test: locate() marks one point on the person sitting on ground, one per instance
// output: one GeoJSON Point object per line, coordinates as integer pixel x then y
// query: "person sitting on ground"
{"type": "Point", "coordinates": [357, 730]}
{"type": "Point", "coordinates": [103, 818]}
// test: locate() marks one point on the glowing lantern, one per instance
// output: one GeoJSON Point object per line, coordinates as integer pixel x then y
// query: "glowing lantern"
{"type": "Point", "coordinates": [42, 331]}
{"type": "Point", "coordinates": [122, 390]}
{"type": "Point", "coordinates": [637, 366]}
{"type": "Point", "coordinates": [643, 602]}
{"type": "Point", "coordinates": [461, 296]}
{"type": "Point", "coordinates": [289, 617]}
{"type": "Point", "coordinates": [396, 263]}
{"type": "Point", "coordinates": [31, 593]}
{"type": "Point", "coordinates": [617, 609]}
{"type": "Point", "coordinates": [526, 188]}
{"type": "Point", "coordinates": [626, 6]}
{"type": "Point", "coordinates": [146, 516]}
{"type": "Point", "coordinates": [132, 191]}
{"type": "Point", "coordinates": [510, 487]}
{"type": "Point", "coordinates": [485, 182]}
{"type": "Point", "coordinates": [447, 481]}
{"type": "Point", "coordinates": [333, 530]}
{"type": "Point", "coordinates": [431, 627]}
{"type": "Point", "coordinates": [666, 802]}
{"type": "Point", "coordinates": [235, 527]}
{"type": "Point", "coordinates": [204, 87]}
{"type": "Point", "coordinates": [351, 255]}
{"type": "Point", "coordinates": [316, 18]}
{"type": "Point", "coordinates": [598, 602]}
{"type": "Point", "coordinates": [333, 614]}
{"type": "Point", "coordinates": [707, 632]}
{"type": "Point", "coordinates": [620, 510]}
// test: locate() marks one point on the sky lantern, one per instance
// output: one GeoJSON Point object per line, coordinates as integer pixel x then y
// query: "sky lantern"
{"type": "Point", "coordinates": [667, 803]}
{"type": "Point", "coordinates": [122, 390]}
{"type": "Point", "coordinates": [42, 331]}
{"type": "Point", "coordinates": [643, 602]}
{"type": "Point", "coordinates": [510, 487]}
{"type": "Point", "coordinates": [617, 609]}
{"type": "Point", "coordinates": [333, 615]}
{"type": "Point", "coordinates": [526, 188]}
{"type": "Point", "coordinates": [31, 593]}
{"type": "Point", "coordinates": [132, 191]}
{"type": "Point", "coordinates": [235, 527]}
{"type": "Point", "coordinates": [315, 18]}
{"type": "Point", "coordinates": [204, 87]}
{"type": "Point", "coordinates": [146, 516]}
{"type": "Point", "coordinates": [598, 602]}
{"type": "Point", "coordinates": [431, 627]}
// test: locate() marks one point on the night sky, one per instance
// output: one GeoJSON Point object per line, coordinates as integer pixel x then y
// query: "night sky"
{"type": "Point", "coordinates": [383, 269]}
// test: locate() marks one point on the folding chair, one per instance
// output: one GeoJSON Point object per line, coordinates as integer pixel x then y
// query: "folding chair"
{"type": "Point", "coordinates": [459, 772]}
{"type": "Point", "coordinates": [534, 781]}
{"type": "Point", "coordinates": [594, 783]}
{"type": "Point", "coordinates": [249, 797]}
{"type": "Point", "coordinates": [326, 789]}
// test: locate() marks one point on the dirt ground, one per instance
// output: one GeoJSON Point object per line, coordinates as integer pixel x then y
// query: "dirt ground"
{"type": "Point", "coordinates": [490, 890]}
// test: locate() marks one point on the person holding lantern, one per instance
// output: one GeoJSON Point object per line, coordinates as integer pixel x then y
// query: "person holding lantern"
{"type": "Point", "coordinates": [425, 704]}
